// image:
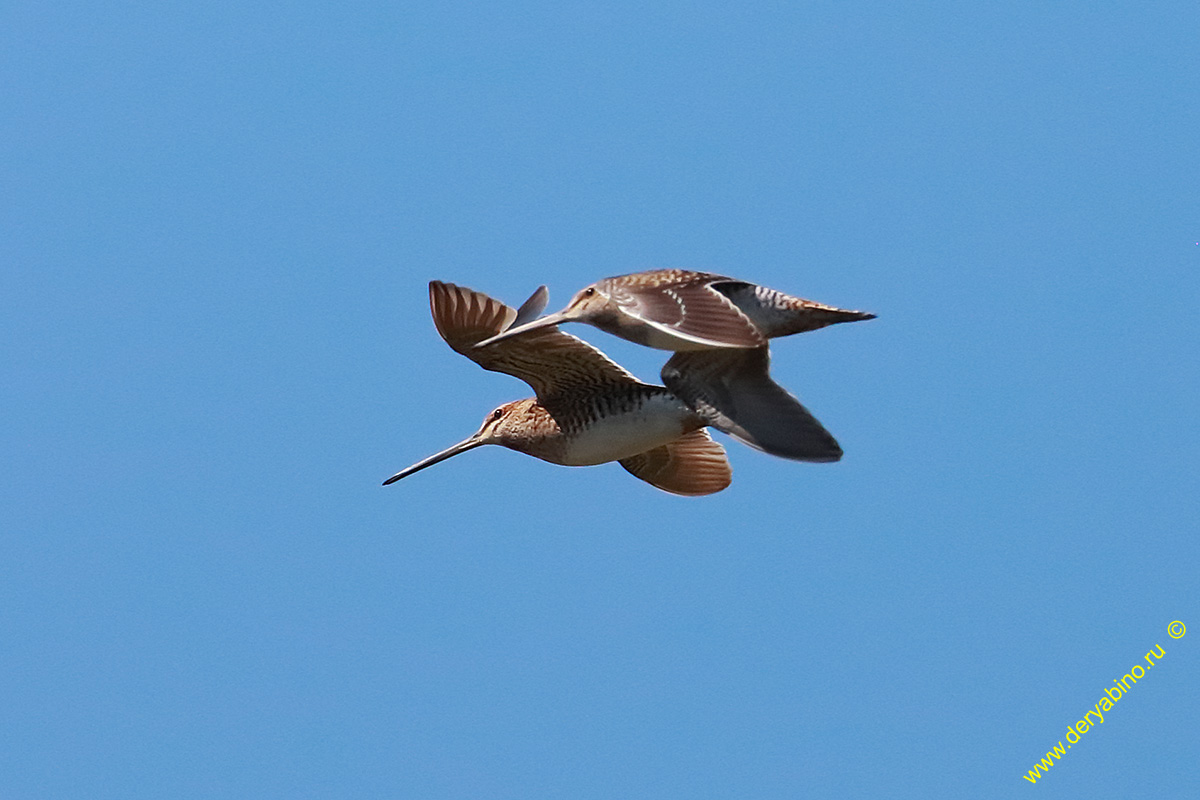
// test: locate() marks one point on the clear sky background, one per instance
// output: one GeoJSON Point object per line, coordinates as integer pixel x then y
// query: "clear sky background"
{"type": "Point", "coordinates": [217, 223]}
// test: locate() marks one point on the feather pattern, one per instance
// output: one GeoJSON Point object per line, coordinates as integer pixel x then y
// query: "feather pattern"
{"type": "Point", "coordinates": [553, 363]}
{"type": "Point", "coordinates": [691, 465]}
{"type": "Point", "coordinates": [688, 307]}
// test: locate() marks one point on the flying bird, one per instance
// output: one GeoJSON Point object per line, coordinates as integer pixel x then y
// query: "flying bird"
{"type": "Point", "coordinates": [589, 410]}
{"type": "Point", "coordinates": [679, 310]}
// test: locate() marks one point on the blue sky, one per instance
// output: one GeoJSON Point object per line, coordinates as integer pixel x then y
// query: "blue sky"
{"type": "Point", "coordinates": [218, 223]}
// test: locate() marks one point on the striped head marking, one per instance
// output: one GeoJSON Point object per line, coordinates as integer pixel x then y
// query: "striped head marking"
{"type": "Point", "coordinates": [590, 303]}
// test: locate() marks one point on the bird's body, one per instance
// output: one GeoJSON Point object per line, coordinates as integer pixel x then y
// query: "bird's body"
{"type": "Point", "coordinates": [613, 427]}
{"type": "Point", "coordinates": [605, 428]}
{"type": "Point", "coordinates": [684, 311]}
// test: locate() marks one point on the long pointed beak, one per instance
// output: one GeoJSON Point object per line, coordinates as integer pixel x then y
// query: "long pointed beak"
{"type": "Point", "coordinates": [453, 450]}
{"type": "Point", "coordinates": [537, 324]}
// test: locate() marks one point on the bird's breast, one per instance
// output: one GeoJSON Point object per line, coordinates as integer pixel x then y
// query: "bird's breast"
{"type": "Point", "coordinates": [626, 429]}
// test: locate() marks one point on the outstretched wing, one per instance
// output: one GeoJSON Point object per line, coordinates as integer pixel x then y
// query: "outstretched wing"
{"type": "Point", "coordinates": [550, 361]}
{"type": "Point", "coordinates": [733, 392]}
{"type": "Point", "coordinates": [685, 304]}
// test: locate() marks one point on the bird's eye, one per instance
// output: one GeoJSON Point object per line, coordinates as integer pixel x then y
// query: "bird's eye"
{"type": "Point", "coordinates": [588, 292]}
{"type": "Point", "coordinates": [497, 414]}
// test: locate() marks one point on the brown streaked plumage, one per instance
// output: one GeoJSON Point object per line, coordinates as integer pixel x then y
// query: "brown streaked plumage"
{"type": "Point", "coordinates": [680, 310]}
{"type": "Point", "coordinates": [588, 409]}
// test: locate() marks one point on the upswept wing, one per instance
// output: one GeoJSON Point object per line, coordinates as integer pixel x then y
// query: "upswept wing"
{"type": "Point", "coordinates": [550, 361]}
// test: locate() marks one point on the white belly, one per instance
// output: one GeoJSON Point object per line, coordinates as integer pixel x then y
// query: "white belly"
{"type": "Point", "coordinates": [659, 420]}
